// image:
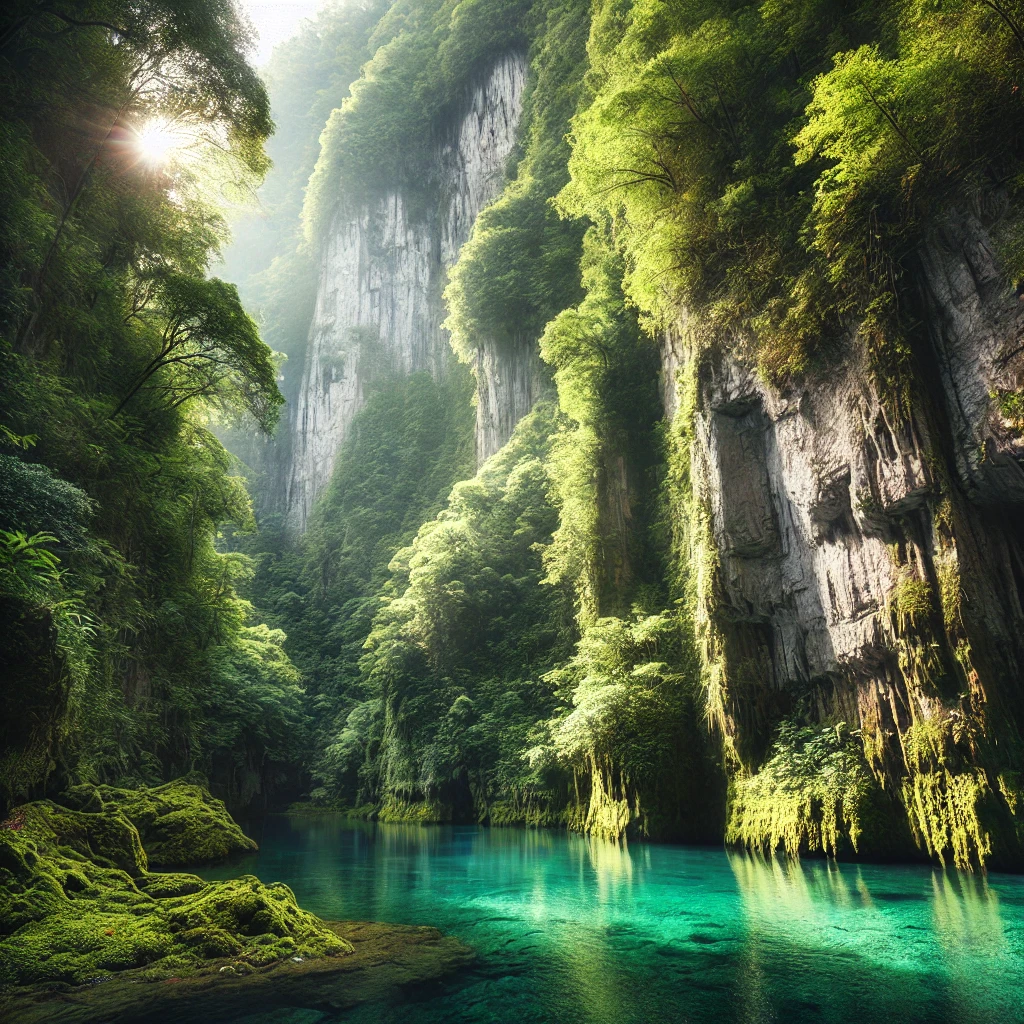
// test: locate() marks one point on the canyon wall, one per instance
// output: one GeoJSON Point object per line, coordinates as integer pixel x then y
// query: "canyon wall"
{"type": "Point", "coordinates": [865, 563]}
{"type": "Point", "coordinates": [382, 272]}
{"type": "Point", "coordinates": [509, 379]}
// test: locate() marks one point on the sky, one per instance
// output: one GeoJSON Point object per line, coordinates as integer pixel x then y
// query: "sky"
{"type": "Point", "coordinates": [276, 21]}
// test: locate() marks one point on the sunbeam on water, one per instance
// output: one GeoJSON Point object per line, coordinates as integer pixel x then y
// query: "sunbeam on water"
{"type": "Point", "coordinates": [571, 930]}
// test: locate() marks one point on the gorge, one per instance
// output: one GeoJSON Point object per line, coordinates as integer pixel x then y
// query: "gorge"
{"type": "Point", "coordinates": [821, 558]}
{"type": "Point", "coordinates": [600, 417]}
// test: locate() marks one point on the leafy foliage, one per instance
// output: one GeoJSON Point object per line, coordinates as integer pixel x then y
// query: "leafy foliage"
{"type": "Point", "coordinates": [128, 639]}
{"type": "Point", "coordinates": [206, 346]}
{"type": "Point", "coordinates": [629, 727]}
{"type": "Point", "coordinates": [451, 678]}
{"type": "Point", "coordinates": [811, 795]}
{"type": "Point", "coordinates": [606, 380]}
{"type": "Point", "coordinates": [772, 166]}
{"type": "Point", "coordinates": [32, 497]}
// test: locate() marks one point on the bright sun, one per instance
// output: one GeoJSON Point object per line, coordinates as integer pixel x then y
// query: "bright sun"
{"type": "Point", "coordinates": [157, 140]}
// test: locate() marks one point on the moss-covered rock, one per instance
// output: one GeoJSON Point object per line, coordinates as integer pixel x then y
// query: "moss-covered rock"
{"type": "Point", "coordinates": [387, 961]}
{"type": "Point", "coordinates": [815, 794]}
{"type": "Point", "coordinates": [77, 903]}
{"type": "Point", "coordinates": [179, 822]}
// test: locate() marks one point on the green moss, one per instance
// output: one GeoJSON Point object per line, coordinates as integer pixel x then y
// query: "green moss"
{"type": "Point", "coordinates": [428, 812]}
{"type": "Point", "coordinates": [812, 795]}
{"type": "Point", "coordinates": [947, 571]}
{"type": "Point", "coordinates": [162, 885]}
{"type": "Point", "coordinates": [529, 813]}
{"type": "Point", "coordinates": [77, 902]}
{"type": "Point", "coordinates": [1010, 406]}
{"type": "Point", "coordinates": [179, 822]}
{"type": "Point", "coordinates": [910, 603]}
{"type": "Point", "coordinates": [958, 811]}
{"type": "Point", "coordinates": [946, 812]}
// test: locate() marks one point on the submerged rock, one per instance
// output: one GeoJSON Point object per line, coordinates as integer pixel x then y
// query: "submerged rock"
{"type": "Point", "coordinates": [384, 958]}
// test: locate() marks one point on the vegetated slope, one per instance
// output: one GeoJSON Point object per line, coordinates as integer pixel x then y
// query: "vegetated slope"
{"type": "Point", "coordinates": [432, 698]}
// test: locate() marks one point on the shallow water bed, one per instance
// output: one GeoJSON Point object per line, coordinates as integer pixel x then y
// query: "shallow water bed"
{"type": "Point", "coordinates": [571, 930]}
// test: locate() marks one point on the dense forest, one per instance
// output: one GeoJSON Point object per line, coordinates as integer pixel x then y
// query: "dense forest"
{"type": "Point", "coordinates": [614, 420]}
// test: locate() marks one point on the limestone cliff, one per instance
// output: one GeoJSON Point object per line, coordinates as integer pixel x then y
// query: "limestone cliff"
{"type": "Point", "coordinates": [866, 564]}
{"type": "Point", "coordinates": [382, 271]}
{"type": "Point", "coordinates": [509, 379]}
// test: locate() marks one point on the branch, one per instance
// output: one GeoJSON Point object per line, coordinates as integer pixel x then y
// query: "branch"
{"type": "Point", "coordinates": [728, 116]}
{"type": "Point", "coordinates": [660, 179]}
{"type": "Point", "coordinates": [44, 10]}
{"type": "Point", "coordinates": [893, 122]}
{"type": "Point", "coordinates": [688, 102]}
{"type": "Point", "coordinates": [92, 24]}
{"type": "Point", "coordinates": [158, 363]}
{"type": "Point", "coordinates": [1009, 21]}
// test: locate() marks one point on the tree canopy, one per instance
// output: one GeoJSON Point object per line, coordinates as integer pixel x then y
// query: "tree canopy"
{"type": "Point", "coordinates": [126, 127]}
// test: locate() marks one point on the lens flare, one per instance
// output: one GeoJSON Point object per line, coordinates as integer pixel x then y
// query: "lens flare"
{"type": "Point", "coordinates": [157, 141]}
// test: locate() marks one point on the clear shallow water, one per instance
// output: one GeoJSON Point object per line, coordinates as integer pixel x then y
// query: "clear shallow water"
{"type": "Point", "coordinates": [572, 930]}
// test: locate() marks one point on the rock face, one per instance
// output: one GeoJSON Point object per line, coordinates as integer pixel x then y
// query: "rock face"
{"type": "Point", "coordinates": [382, 273]}
{"type": "Point", "coordinates": [509, 380]}
{"type": "Point", "coordinates": [868, 565]}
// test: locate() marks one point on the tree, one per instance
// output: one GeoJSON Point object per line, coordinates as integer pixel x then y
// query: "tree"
{"type": "Point", "coordinates": [116, 352]}
{"type": "Point", "coordinates": [208, 348]}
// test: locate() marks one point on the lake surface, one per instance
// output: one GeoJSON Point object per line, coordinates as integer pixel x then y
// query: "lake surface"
{"type": "Point", "coordinates": [572, 930]}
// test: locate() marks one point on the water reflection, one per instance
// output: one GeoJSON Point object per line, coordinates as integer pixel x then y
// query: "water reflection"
{"type": "Point", "coordinates": [941, 933]}
{"type": "Point", "coordinates": [576, 930]}
{"type": "Point", "coordinates": [965, 913]}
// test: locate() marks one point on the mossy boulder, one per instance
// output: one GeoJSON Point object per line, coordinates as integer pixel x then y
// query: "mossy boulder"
{"type": "Point", "coordinates": [78, 903]}
{"type": "Point", "coordinates": [179, 822]}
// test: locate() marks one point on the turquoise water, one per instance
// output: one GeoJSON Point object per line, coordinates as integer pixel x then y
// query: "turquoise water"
{"type": "Point", "coordinates": [572, 930]}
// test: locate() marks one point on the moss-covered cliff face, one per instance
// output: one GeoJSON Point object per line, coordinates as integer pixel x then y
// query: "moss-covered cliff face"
{"type": "Point", "coordinates": [742, 556]}
{"type": "Point", "coordinates": [865, 579]}
{"type": "Point", "coordinates": [829, 259]}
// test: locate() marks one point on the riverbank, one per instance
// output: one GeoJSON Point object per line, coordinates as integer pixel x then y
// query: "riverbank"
{"type": "Point", "coordinates": [384, 960]}
{"type": "Point", "coordinates": [88, 932]}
